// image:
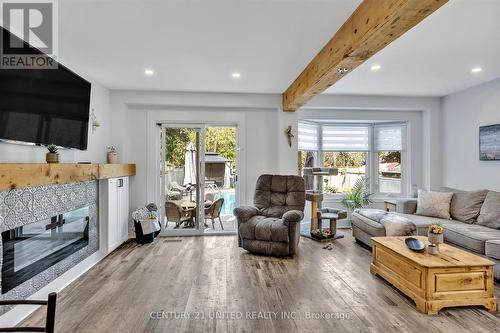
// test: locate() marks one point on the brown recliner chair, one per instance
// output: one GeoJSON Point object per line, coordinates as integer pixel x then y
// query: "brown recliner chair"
{"type": "Point", "coordinates": [272, 225]}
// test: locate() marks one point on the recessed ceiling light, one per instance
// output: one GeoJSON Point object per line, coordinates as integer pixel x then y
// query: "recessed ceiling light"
{"type": "Point", "coordinates": [476, 70]}
{"type": "Point", "coordinates": [149, 72]}
{"type": "Point", "coordinates": [236, 75]}
{"type": "Point", "coordinates": [376, 67]}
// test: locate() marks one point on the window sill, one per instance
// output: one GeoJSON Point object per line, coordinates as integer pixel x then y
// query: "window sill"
{"type": "Point", "coordinates": [337, 197]}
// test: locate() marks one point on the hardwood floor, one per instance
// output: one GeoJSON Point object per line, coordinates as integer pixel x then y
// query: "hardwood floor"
{"type": "Point", "coordinates": [208, 275]}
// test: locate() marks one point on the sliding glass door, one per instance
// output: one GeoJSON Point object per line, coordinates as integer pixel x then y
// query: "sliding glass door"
{"type": "Point", "coordinates": [198, 178]}
{"type": "Point", "coordinates": [221, 181]}
{"type": "Point", "coordinates": [182, 178]}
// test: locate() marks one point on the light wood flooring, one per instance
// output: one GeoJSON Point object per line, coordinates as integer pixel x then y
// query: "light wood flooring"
{"type": "Point", "coordinates": [202, 275]}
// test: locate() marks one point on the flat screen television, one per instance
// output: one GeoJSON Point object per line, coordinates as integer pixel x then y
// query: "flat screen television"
{"type": "Point", "coordinates": [43, 106]}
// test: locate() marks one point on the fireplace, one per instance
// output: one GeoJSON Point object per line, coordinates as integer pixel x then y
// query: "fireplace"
{"type": "Point", "coordinates": [30, 249]}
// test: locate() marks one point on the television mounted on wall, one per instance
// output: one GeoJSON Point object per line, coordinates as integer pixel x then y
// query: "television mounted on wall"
{"type": "Point", "coordinates": [43, 106]}
{"type": "Point", "coordinates": [489, 143]}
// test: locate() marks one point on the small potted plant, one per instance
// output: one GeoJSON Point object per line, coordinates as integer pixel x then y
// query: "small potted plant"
{"type": "Point", "coordinates": [52, 155]}
{"type": "Point", "coordinates": [112, 156]}
{"type": "Point", "coordinates": [435, 234]}
{"type": "Point", "coordinates": [359, 196]}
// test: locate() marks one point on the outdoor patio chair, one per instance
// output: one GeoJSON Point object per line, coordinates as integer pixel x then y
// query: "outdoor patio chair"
{"type": "Point", "coordinates": [177, 214]}
{"type": "Point", "coordinates": [174, 186]}
{"type": "Point", "coordinates": [211, 186]}
{"type": "Point", "coordinates": [174, 195]}
{"type": "Point", "coordinates": [209, 197]}
{"type": "Point", "coordinates": [213, 211]}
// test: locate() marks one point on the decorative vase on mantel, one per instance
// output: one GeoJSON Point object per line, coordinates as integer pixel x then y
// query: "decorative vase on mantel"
{"type": "Point", "coordinates": [52, 155]}
{"type": "Point", "coordinates": [112, 156]}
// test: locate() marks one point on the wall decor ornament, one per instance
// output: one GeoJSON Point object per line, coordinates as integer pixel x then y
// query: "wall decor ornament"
{"type": "Point", "coordinates": [289, 135]}
{"type": "Point", "coordinates": [489, 143]}
{"type": "Point", "coordinates": [95, 123]}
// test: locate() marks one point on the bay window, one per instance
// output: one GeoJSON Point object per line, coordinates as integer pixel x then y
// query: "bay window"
{"type": "Point", "coordinates": [308, 148]}
{"type": "Point", "coordinates": [376, 151]}
{"type": "Point", "coordinates": [390, 143]}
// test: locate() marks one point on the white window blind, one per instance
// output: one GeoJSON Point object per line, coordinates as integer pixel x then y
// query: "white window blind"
{"type": "Point", "coordinates": [390, 137]}
{"type": "Point", "coordinates": [349, 138]}
{"type": "Point", "coordinates": [308, 136]}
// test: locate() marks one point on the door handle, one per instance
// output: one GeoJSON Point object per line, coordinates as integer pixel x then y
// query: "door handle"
{"type": "Point", "coordinates": [120, 182]}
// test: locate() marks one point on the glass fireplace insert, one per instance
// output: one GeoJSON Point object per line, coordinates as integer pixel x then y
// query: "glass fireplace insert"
{"type": "Point", "coordinates": [30, 249]}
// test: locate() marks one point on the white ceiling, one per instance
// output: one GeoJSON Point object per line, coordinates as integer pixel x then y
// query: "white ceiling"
{"type": "Point", "coordinates": [196, 45]}
{"type": "Point", "coordinates": [435, 57]}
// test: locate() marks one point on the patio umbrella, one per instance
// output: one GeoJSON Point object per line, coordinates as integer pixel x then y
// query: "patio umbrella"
{"type": "Point", "coordinates": [227, 176]}
{"type": "Point", "coordinates": [190, 165]}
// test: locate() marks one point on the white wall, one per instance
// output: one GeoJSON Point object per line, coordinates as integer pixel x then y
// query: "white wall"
{"type": "Point", "coordinates": [463, 113]}
{"type": "Point", "coordinates": [98, 141]}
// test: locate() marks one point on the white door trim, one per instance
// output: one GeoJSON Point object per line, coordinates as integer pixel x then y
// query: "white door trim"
{"type": "Point", "coordinates": [178, 118]}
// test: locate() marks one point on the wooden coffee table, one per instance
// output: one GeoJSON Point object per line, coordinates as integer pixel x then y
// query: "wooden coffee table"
{"type": "Point", "coordinates": [453, 277]}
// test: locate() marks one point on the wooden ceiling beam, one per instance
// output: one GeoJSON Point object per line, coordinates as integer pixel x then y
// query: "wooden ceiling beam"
{"type": "Point", "coordinates": [372, 26]}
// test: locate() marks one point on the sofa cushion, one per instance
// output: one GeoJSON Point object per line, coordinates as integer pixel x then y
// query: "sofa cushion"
{"type": "Point", "coordinates": [375, 229]}
{"type": "Point", "coordinates": [393, 224]}
{"type": "Point", "coordinates": [465, 206]}
{"type": "Point", "coordinates": [435, 204]}
{"type": "Point", "coordinates": [397, 225]}
{"type": "Point", "coordinates": [372, 214]}
{"type": "Point", "coordinates": [470, 236]}
{"type": "Point", "coordinates": [492, 249]}
{"type": "Point", "coordinates": [490, 211]}
{"type": "Point", "coordinates": [264, 228]}
{"type": "Point", "coordinates": [422, 222]}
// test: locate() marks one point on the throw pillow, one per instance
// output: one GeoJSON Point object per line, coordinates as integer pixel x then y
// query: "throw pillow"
{"type": "Point", "coordinates": [465, 206]}
{"type": "Point", "coordinates": [434, 204]}
{"type": "Point", "coordinates": [490, 211]}
{"type": "Point", "coordinates": [396, 225]}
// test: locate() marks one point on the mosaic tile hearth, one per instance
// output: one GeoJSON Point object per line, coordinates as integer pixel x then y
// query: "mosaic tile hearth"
{"type": "Point", "coordinates": [24, 206]}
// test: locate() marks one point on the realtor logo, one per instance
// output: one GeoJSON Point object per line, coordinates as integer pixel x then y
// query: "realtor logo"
{"type": "Point", "coordinates": [29, 35]}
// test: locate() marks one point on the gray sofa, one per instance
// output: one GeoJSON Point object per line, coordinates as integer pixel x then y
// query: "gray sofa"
{"type": "Point", "coordinates": [272, 225]}
{"type": "Point", "coordinates": [468, 235]}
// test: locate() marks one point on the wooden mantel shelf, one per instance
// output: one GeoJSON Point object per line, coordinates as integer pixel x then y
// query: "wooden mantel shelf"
{"type": "Point", "coordinates": [25, 175]}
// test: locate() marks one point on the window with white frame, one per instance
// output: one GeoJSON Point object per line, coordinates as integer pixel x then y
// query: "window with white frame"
{"type": "Point", "coordinates": [389, 147]}
{"type": "Point", "coordinates": [374, 150]}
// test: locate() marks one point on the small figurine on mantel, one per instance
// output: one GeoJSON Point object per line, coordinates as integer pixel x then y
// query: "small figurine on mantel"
{"type": "Point", "coordinates": [112, 156]}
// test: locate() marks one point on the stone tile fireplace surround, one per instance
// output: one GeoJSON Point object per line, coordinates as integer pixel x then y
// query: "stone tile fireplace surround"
{"type": "Point", "coordinates": [20, 207]}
